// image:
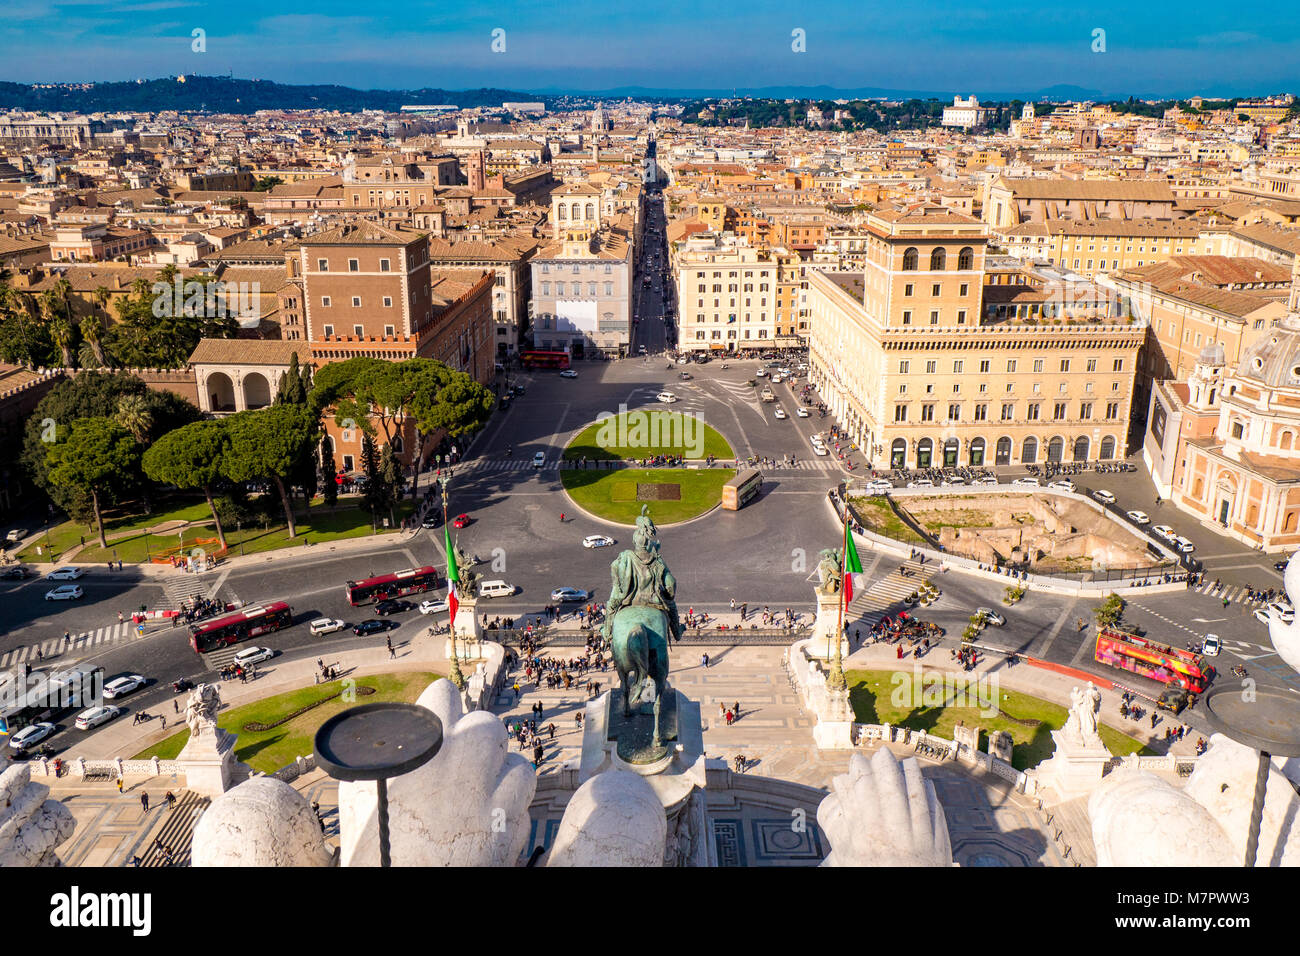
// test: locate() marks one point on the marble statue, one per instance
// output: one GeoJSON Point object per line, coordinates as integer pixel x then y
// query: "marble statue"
{"type": "Point", "coordinates": [829, 574]}
{"type": "Point", "coordinates": [884, 813]}
{"type": "Point", "coordinates": [31, 826]}
{"type": "Point", "coordinates": [1286, 637]}
{"type": "Point", "coordinates": [614, 819]}
{"type": "Point", "coordinates": [1081, 725]}
{"type": "Point", "coordinates": [201, 708]}
{"type": "Point", "coordinates": [261, 822]}
{"type": "Point", "coordinates": [641, 619]}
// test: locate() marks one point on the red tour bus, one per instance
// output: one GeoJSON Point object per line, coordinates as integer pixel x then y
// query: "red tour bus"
{"type": "Point", "coordinates": [541, 358]}
{"type": "Point", "coordinates": [1169, 665]}
{"type": "Point", "coordinates": [398, 584]}
{"type": "Point", "coordinates": [242, 624]}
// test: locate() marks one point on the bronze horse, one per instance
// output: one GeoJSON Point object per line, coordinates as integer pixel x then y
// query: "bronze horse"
{"type": "Point", "coordinates": [640, 647]}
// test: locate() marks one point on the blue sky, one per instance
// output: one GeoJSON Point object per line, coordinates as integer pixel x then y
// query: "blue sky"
{"type": "Point", "coordinates": [1150, 49]}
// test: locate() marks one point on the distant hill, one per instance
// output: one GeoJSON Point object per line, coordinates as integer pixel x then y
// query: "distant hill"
{"type": "Point", "coordinates": [219, 94]}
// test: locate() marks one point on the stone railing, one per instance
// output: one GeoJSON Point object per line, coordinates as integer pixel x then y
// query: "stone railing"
{"type": "Point", "coordinates": [1152, 583]}
{"type": "Point", "coordinates": [945, 749]}
{"type": "Point", "coordinates": [300, 766]}
{"type": "Point", "coordinates": [483, 686]}
{"type": "Point", "coordinates": [104, 769]}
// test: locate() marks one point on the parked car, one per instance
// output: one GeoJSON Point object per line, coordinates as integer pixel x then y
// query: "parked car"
{"type": "Point", "coordinates": [1063, 484]}
{"type": "Point", "coordinates": [820, 450]}
{"type": "Point", "coordinates": [568, 373]}
{"type": "Point", "coordinates": [986, 480]}
{"type": "Point", "coordinates": [435, 606]}
{"type": "Point", "coordinates": [384, 608]}
{"type": "Point", "coordinates": [1173, 699]}
{"type": "Point", "coordinates": [569, 594]}
{"type": "Point", "coordinates": [1104, 496]}
{"type": "Point", "coordinates": [921, 483]}
{"type": "Point", "coordinates": [372, 626]}
{"type": "Point", "coordinates": [15, 573]}
{"type": "Point", "coordinates": [991, 616]}
{"type": "Point", "coordinates": [597, 541]}
{"type": "Point", "coordinates": [539, 460]}
{"type": "Point", "coordinates": [1182, 545]}
{"type": "Point", "coordinates": [121, 686]}
{"type": "Point", "coordinates": [253, 655]}
{"type": "Point", "coordinates": [460, 521]}
{"type": "Point", "coordinates": [95, 716]}
{"type": "Point", "coordinates": [65, 592]}
{"type": "Point", "coordinates": [70, 573]}
{"type": "Point", "coordinates": [325, 625]}
{"type": "Point", "coordinates": [879, 486]}
{"type": "Point", "coordinates": [16, 535]}
{"type": "Point", "coordinates": [31, 735]}
{"type": "Point", "coordinates": [1163, 530]}
{"type": "Point", "coordinates": [1026, 483]}
{"type": "Point", "coordinates": [1138, 517]}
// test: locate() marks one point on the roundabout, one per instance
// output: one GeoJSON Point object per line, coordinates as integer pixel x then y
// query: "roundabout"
{"type": "Point", "coordinates": [599, 476]}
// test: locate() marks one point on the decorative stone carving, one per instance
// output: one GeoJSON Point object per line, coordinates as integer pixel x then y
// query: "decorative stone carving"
{"type": "Point", "coordinates": [31, 826]}
{"type": "Point", "coordinates": [883, 813]}
{"type": "Point", "coordinates": [614, 819]}
{"type": "Point", "coordinates": [261, 822]}
{"type": "Point", "coordinates": [1081, 726]}
{"type": "Point", "coordinates": [468, 806]}
{"type": "Point", "coordinates": [208, 758]}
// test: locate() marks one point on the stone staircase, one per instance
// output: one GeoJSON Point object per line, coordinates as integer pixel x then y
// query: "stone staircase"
{"type": "Point", "coordinates": [177, 830]}
{"type": "Point", "coordinates": [885, 595]}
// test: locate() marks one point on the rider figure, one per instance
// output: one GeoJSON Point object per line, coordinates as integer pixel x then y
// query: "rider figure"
{"type": "Point", "coordinates": [640, 577]}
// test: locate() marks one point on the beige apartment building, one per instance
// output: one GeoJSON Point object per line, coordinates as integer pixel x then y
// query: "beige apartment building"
{"type": "Point", "coordinates": [909, 368]}
{"type": "Point", "coordinates": [727, 294]}
{"type": "Point", "coordinates": [1104, 245]}
{"type": "Point", "coordinates": [1011, 202]}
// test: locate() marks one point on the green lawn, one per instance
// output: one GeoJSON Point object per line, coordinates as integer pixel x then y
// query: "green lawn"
{"type": "Point", "coordinates": [612, 494]}
{"type": "Point", "coordinates": [872, 694]}
{"type": "Point", "coordinates": [320, 525]}
{"type": "Point", "coordinates": [647, 432]}
{"type": "Point", "coordinates": [269, 750]}
{"type": "Point", "coordinates": [876, 516]}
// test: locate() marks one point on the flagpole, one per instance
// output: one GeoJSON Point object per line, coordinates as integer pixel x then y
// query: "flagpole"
{"type": "Point", "coordinates": [456, 676]}
{"type": "Point", "coordinates": [836, 681]}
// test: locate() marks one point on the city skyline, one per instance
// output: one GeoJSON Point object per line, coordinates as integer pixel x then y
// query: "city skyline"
{"type": "Point", "coordinates": [941, 47]}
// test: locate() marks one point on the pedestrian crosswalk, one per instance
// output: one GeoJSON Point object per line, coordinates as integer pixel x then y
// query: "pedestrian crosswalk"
{"type": "Point", "coordinates": [887, 594]}
{"type": "Point", "coordinates": [86, 640]}
{"type": "Point", "coordinates": [1232, 593]}
{"type": "Point", "coordinates": [491, 466]}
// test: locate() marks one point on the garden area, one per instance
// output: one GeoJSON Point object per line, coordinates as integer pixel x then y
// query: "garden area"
{"type": "Point", "coordinates": [1029, 720]}
{"type": "Point", "coordinates": [295, 719]}
{"type": "Point", "coordinates": [878, 517]}
{"type": "Point", "coordinates": [613, 495]}
{"type": "Point", "coordinates": [646, 433]}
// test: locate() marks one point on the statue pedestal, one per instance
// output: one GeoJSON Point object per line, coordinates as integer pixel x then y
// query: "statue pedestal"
{"type": "Point", "coordinates": [834, 729]}
{"type": "Point", "coordinates": [208, 761]}
{"type": "Point", "coordinates": [676, 772]}
{"type": "Point", "coordinates": [1074, 769]}
{"type": "Point", "coordinates": [468, 627]}
{"type": "Point", "coordinates": [822, 642]}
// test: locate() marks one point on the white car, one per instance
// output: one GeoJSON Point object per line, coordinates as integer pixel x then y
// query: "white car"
{"type": "Point", "coordinates": [1182, 545]}
{"type": "Point", "coordinates": [1211, 646]}
{"type": "Point", "coordinates": [760, 373]}
{"type": "Point", "coordinates": [96, 716]}
{"type": "Point", "coordinates": [921, 483]}
{"type": "Point", "coordinates": [568, 373]}
{"type": "Point", "coordinates": [778, 378]}
{"type": "Point", "coordinates": [666, 397]}
{"type": "Point", "coordinates": [802, 412]}
{"type": "Point", "coordinates": [597, 541]}
{"type": "Point", "coordinates": [879, 487]}
{"type": "Point", "coordinates": [952, 482]}
{"type": "Point", "coordinates": [121, 686]}
{"type": "Point", "coordinates": [1063, 485]}
{"type": "Point", "coordinates": [31, 734]}
{"type": "Point", "coordinates": [70, 573]}
{"type": "Point", "coordinates": [1285, 611]}
{"type": "Point", "coordinates": [683, 361]}
{"type": "Point", "coordinates": [780, 413]}
{"type": "Point", "coordinates": [434, 607]}
{"type": "Point", "coordinates": [1104, 496]}
{"type": "Point", "coordinates": [1026, 483]}
{"type": "Point", "coordinates": [539, 459]}
{"type": "Point", "coordinates": [65, 592]}
{"type": "Point", "coordinates": [1138, 517]}
{"type": "Point", "coordinates": [1163, 530]}
{"type": "Point", "coordinates": [253, 655]}
{"type": "Point", "coordinates": [492, 589]}
{"type": "Point", "coordinates": [991, 616]}
{"type": "Point", "coordinates": [325, 625]}
{"type": "Point", "coordinates": [986, 480]}
{"type": "Point", "coordinates": [820, 450]}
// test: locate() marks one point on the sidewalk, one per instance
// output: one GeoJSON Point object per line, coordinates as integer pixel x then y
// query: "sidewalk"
{"type": "Point", "coordinates": [121, 738]}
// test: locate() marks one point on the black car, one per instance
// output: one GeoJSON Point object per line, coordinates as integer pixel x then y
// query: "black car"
{"type": "Point", "coordinates": [1280, 566]}
{"type": "Point", "coordinates": [1174, 700]}
{"type": "Point", "coordinates": [371, 626]}
{"type": "Point", "coordinates": [432, 520]}
{"type": "Point", "coordinates": [17, 572]}
{"type": "Point", "coordinates": [519, 390]}
{"type": "Point", "coordinates": [393, 607]}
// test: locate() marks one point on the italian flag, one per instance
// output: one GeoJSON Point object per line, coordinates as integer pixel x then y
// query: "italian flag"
{"type": "Point", "coordinates": [852, 567]}
{"type": "Point", "coordinates": [453, 575]}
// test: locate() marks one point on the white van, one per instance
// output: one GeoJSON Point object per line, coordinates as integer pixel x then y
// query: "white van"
{"type": "Point", "coordinates": [491, 589]}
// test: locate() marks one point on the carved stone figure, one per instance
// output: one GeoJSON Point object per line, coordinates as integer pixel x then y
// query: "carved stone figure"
{"type": "Point", "coordinates": [201, 709]}
{"type": "Point", "coordinates": [31, 826]}
{"type": "Point", "coordinates": [829, 571]}
{"type": "Point", "coordinates": [1081, 726]}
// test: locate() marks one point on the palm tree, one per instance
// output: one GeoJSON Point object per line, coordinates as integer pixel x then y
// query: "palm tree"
{"type": "Point", "coordinates": [60, 328]}
{"type": "Point", "coordinates": [134, 414]}
{"type": "Point", "coordinates": [92, 331]}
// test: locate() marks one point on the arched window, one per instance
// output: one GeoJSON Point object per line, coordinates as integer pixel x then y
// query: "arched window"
{"type": "Point", "coordinates": [591, 211]}
{"type": "Point", "coordinates": [1107, 448]}
{"type": "Point", "coordinates": [397, 444]}
{"type": "Point", "coordinates": [924, 453]}
{"type": "Point", "coordinates": [938, 260]}
{"type": "Point", "coordinates": [1252, 515]}
{"type": "Point", "coordinates": [1029, 451]}
{"type": "Point", "coordinates": [1081, 445]}
{"type": "Point", "coordinates": [1198, 489]}
{"type": "Point", "coordinates": [950, 448]}
{"type": "Point", "coordinates": [1286, 441]}
{"type": "Point", "coordinates": [909, 259]}
{"type": "Point", "coordinates": [1002, 456]}
{"type": "Point", "coordinates": [575, 211]}
{"type": "Point", "coordinates": [563, 211]}
{"type": "Point", "coordinates": [976, 452]}
{"type": "Point", "coordinates": [1288, 523]}
{"type": "Point", "coordinates": [1056, 449]}
{"type": "Point", "coordinates": [898, 454]}
{"type": "Point", "coordinates": [966, 259]}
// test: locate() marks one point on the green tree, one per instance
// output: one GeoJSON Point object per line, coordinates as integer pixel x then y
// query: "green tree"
{"type": "Point", "coordinates": [328, 476]}
{"type": "Point", "coordinates": [374, 497]}
{"type": "Point", "coordinates": [390, 472]}
{"type": "Point", "coordinates": [293, 385]}
{"type": "Point", "coordinates": [266, 444]}
{"type": "Point", "coordinates": [191, 457]}
{"type": "Point", "coordinates": [91, 458]}
{"type": "Point", "coordinates": [1108, 614]}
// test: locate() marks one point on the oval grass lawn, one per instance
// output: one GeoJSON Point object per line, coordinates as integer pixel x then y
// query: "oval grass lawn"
{"type": "Point", "coordinates": [647, 432]}
{"type": "Point", "coordinates": [612, 495]}
{"type": "Point", "coordinates": [269, 750]}
{"type": "Point", "coordinates": [1028, 719]}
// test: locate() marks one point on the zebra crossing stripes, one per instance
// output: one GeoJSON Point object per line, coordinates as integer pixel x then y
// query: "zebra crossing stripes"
{"type": "Point", "coordinates": [886, 594]}
{"type": "Point", "coordinates": [1232, 593]}
{"type": "Point", "coordinates": [489, 466]}
{"type": "Point", "coordinates": [55, 645]}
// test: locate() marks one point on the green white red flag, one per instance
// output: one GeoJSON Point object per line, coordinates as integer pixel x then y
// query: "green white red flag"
{"type": "Point", "coordinates": [453, 576]}
{"type": "Point", "coordinates": [853, 576]}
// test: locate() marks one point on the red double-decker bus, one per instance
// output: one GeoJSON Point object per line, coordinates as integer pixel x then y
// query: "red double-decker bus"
{"type": "Point", "coordinates": [397, 584]}
{"type": "Point", "coordinates": [245, 623]}
{"type": "Point", "coordinates": [1169, 665]}
{"type": "Point", "coordinates": [540, 358]}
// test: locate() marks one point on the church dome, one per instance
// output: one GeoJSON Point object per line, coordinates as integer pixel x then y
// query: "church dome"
{"type": "Point", "coordinates": [1213, 354]}
{"type": "Point", "coordinates": [1274, 359]}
